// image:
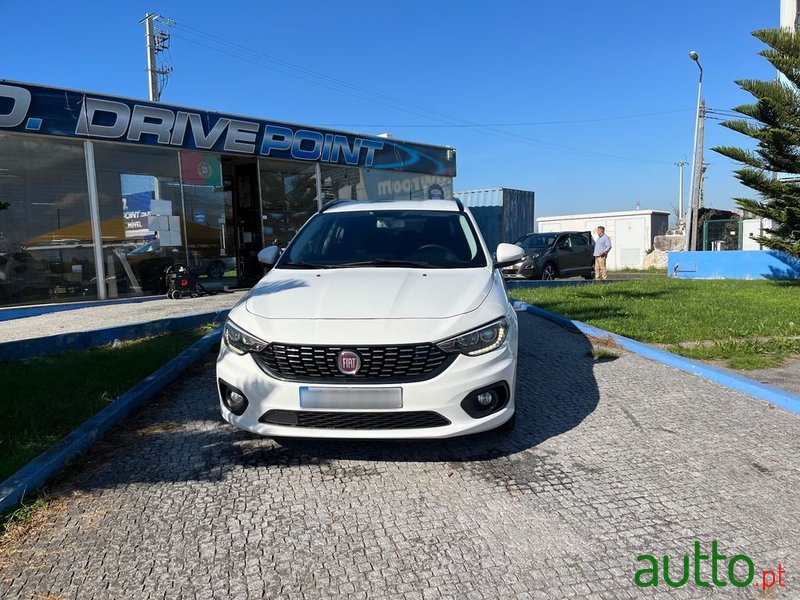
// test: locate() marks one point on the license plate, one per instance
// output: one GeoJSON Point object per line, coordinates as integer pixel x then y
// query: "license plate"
{"type": "Point", "coordinates": [351, 397]}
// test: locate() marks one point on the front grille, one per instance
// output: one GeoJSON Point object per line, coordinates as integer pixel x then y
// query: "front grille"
{"type": "Point", "coordinates": [354, 420]}
{"type": "Point", "coordinates": [379, 364]}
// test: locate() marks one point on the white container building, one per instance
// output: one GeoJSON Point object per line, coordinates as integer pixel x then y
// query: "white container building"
{"type": "Point", "coordinates": [631, 232]}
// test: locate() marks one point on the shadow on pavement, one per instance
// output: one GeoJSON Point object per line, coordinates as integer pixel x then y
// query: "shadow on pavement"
{"type": "Point", "coordinates": [181, 437]}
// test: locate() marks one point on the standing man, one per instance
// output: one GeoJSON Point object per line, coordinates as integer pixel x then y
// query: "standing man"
{"type": "Point", "coordinates": [601, 249]}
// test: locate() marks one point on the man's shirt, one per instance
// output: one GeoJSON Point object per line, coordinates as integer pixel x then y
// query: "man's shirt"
{"type": "Point", "coordinates": [602, 245]}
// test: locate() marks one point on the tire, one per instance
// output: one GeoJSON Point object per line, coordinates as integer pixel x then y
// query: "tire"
{"type": "Point", "coordinates": [590, 276]}
{"type": "Point", "coordinates": [169, 294]}
{"type": "Point", "coordinates": [549, 272]}
{"type": "Point", "coordinates": [176, 295]}
{"type": "Point", "coordinates": [508, 425]}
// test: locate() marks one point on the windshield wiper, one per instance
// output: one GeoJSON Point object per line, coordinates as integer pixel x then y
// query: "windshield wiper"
{"type": "Point", "coordinates": [385, 262]}
{"type": "Point", "coordinates": [304, 265]}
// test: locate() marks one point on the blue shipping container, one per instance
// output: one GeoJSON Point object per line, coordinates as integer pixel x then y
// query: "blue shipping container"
{"type": "Point", "coordinates": [502, 214]}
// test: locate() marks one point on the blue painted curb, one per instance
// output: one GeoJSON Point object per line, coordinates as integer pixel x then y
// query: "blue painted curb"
{"type": "Point", "coordinates": [22, 312]}
{"type": "Point", "coordinates": [56, 344]}
{"type": "Point", "coordinates": [33, 475]}
{"type": "Point", "coordinates": [747, 386]}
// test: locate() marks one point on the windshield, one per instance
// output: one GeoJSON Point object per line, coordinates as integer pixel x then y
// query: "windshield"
{"type": "Point", "coordinates": [537, 240]}
{"type": "Point", "coordinates": [385, 238]}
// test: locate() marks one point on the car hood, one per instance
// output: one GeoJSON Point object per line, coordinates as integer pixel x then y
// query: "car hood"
{"type": "Point", "coordinates": [369, 293]}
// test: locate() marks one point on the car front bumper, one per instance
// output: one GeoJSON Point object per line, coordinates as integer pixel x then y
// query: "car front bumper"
{"type": "Point", "coordinates": [523, 270]}
{"type": "Point", "coordinates": [442, 394]}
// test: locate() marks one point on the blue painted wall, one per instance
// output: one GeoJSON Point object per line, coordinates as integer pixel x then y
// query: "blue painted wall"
{"type": "Point", "coordinates": [734, 264]}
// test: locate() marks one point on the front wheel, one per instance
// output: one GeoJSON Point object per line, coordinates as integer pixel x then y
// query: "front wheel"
{"type": "Point", "coordinates": [548, 273]}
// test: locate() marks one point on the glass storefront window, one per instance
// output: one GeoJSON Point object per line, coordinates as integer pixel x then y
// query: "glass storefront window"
{"type": "Point", "coordinates": [340, 183]}
{"type": "Point", "coordinates": [210, 231]}
{"type": "Point", "coordinates": [46, 250]}
{"type": "Point", "coordinates": [288, 198]}
{"type": "Point", "coordinates": [159, 207]}
{"type": "Point", "coordinates": [141, 220]}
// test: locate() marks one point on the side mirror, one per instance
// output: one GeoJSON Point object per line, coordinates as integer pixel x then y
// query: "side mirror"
{"type": "Point", "coordinates": [269, 255]}
{"type": "Point", "coordinates": [508, 254]}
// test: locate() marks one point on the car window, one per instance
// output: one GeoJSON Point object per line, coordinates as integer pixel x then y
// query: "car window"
{"type": "Point", "coordinates": [536, 240]}
{"type": "Point", "coordinates": [578, 239]}
{"type": "Point", "coordinates": [563, 242]}
{"type": "Point", "coordinates": [429, 239]}
{"type": "Point", "coordinates": [472, 241]}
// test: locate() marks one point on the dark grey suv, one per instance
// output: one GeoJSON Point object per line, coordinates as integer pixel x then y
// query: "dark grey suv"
{"type": "Point", "coordinates": [552, 255]}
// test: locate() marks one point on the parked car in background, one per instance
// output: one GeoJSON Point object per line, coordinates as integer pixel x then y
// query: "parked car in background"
{"type": "Point", "coordinates": [554, 255]}
{"type": "Point", "coordinates": [214, 267]}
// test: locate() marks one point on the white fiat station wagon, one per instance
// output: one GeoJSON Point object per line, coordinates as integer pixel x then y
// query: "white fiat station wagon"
{"type": "Point", "coordinates": [380, 320]}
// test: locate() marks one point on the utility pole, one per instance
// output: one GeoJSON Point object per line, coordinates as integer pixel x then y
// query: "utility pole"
{"type": "Point", "coordinates": [702, 201]}
{"type": "Point", "coordinates": [157, 41]}
{"type": "Point", "coordinates": [698, 177]}
{"type": "Point", "coordinates": [681, 221]}
{"type": "Point", "coordinates": [152, 75]}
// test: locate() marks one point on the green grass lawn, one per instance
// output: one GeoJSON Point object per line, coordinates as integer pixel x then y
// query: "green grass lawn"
{"type": "Point", "coordinates": [735, 314]}
{"type": "Point", "coordinates": [46, 398]}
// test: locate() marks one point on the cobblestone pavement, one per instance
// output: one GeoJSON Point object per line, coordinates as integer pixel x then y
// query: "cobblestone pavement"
{"type": "Point", "coordinates": [610, 460]}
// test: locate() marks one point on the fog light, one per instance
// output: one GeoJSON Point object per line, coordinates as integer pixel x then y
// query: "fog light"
{"type": "Point", "coordinates": [486, 398]}
{"type": "Point", "coordinates": [234, 400]}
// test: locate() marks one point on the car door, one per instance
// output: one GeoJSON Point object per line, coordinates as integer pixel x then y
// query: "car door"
{"type": "Point", "coordinates": [566, 257]}
{"type": "Point", "coordinates": [582, 253]}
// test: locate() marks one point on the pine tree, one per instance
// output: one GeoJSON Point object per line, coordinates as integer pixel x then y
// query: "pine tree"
{"type": "Point", "coordinates": [774, 122]}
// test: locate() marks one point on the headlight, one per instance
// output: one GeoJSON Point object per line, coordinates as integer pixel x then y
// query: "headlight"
{"type": "Point", "coordinates": [240, 341]}
{"type": "Point", "coordinates": [479, 341]}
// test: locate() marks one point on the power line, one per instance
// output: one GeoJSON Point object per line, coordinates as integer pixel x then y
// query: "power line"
{"type": "Point", "coordinates": [729, 114]}
{"type": "Point", "coordinates": [235, 50]}
{"type": "Point", "coordinates": [519, 124]}
{"type": "Point", "coordinates": [291, 74]}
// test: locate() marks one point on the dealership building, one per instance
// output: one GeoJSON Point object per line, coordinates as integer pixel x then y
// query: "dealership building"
{"type": "Point", "coordinates": [98, 194]}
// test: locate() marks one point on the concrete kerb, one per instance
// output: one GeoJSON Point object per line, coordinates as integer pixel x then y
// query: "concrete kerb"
{"type": "Point", "coordinates": [21, 312]}
{"type": "Point", "coordinates": [744, 385]}
{"type": "Point", "coordinates": [56, 344]}
{"type": "Point", "coordinates": [36, 473]}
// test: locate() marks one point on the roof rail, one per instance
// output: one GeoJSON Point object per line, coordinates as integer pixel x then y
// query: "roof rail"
{"type": "Point", "coordinates": [459, 204]}
{"type": "Point", "coordinates": [333, 203]}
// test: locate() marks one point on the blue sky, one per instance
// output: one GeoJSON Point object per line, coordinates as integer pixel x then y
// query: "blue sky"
{"type": "Point", "coordinates": [446, 73]}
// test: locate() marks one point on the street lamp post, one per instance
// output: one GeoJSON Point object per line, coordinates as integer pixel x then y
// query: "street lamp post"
{"type": "Point", "coordinates": [690, 243]}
